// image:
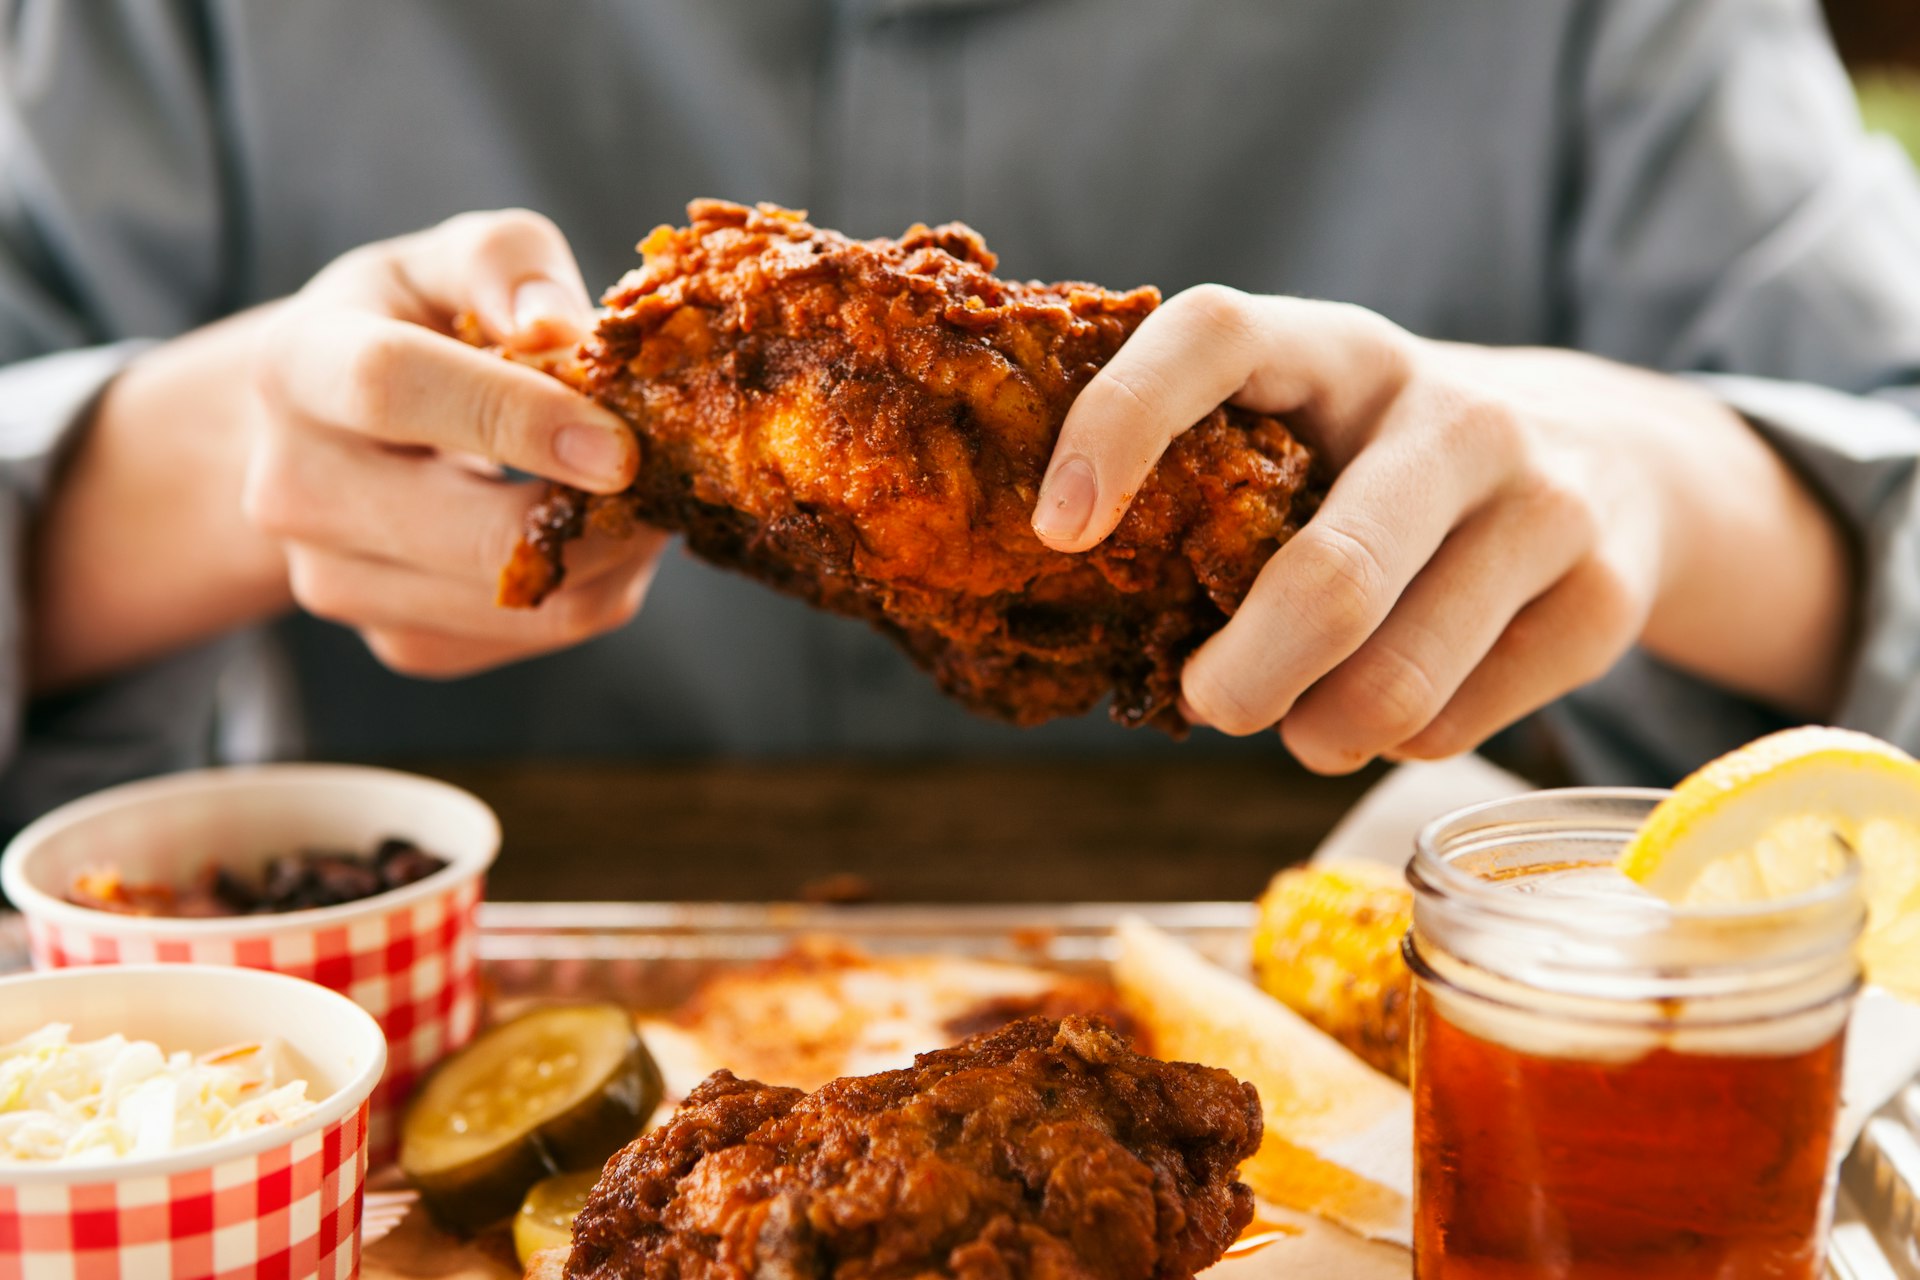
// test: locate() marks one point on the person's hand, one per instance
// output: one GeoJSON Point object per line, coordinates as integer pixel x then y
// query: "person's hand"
{"type": "Point", "coordinates": [1504, 524]}
{"type": "Point", "coordinates": [340, 450]}
{"type": "Point", "coordinates": [373, 457]}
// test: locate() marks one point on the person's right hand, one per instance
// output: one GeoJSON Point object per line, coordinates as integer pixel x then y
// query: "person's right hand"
{"type": "Point", "coordinates": [372, 456]}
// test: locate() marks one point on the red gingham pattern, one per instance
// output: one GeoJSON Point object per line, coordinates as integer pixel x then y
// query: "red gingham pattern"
{"type": "Point", "coordinates": [291, 1213]}
{"type": "Point", "coordinates": [414, 969]}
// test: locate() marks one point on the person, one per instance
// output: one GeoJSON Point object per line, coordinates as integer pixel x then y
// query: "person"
{"type": "Point", "coordinates": [1617, 365]}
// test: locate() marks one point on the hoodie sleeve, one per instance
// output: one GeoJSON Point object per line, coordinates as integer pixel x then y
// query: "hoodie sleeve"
{"type": "Point", "coordinates": [1733, 223]}
{"type": "Point", "coordinates": [114, 232]}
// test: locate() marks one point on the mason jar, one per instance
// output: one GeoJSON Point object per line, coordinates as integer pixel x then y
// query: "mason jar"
{"type": "Point", "coordinates": [1606, 1085]}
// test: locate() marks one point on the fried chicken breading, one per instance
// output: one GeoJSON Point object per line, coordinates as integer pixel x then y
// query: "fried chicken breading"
{"type": "Point", "coordinates": [1046, 1149]}
{"type": "Point", "coordinates": [865, 424]}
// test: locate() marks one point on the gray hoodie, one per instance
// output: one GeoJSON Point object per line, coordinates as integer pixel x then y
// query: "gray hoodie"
{"type": "Point", "coordinates": [1680, 184]}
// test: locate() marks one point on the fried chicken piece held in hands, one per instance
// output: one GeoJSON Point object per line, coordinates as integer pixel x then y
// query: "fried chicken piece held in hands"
{"type": "Point", "coordinates": [865, 424]}
{"type": "Point", "coordinates": [1043, 1150]}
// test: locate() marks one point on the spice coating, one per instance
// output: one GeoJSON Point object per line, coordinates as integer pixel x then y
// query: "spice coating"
{"type": "Point", "coordinates": [865, 425]}
{"type": "Point", "coordinates": [1045, 1149]}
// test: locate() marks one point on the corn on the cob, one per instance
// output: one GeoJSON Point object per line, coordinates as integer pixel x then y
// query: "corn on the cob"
{"type": "Point", "coordinates": [1327, 945]}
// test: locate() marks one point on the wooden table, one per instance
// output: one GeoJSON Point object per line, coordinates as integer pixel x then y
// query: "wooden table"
{"type": "Point", "coordinates": [922, 831]}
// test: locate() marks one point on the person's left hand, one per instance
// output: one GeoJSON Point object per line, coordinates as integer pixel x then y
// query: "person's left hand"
{"type": "Point", "coordinates": [1503, 525]}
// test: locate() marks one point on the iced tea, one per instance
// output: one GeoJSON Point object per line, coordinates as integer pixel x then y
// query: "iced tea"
{"type": "Point", "coordinates": [1668, 1164]}
{"type": "Point", "coordinates": [1607, 1087]}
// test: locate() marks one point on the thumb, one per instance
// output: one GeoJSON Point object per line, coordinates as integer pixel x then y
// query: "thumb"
{"type": "Point", "coordinates": [1183, 360]}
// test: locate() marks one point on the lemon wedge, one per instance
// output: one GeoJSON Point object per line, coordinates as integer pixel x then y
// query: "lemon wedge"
{"type": "Point", "coordinates": [1777, 817]}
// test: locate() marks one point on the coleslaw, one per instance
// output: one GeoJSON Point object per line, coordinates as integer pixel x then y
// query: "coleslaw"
{"type": "Point", "coordinates": [116, 1099]}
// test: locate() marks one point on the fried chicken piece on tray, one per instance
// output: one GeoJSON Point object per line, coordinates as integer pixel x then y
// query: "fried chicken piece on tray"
{"type": "Point", "coordinates": [1046, 1149]}
{"type": "Point", "coordinates": [865, 424]}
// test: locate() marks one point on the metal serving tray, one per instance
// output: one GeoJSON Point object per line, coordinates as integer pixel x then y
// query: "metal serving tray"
{"type": "Point", "coordinates": [1876, 1233]}
{"type": "Point", "coordinates": [652, 955]}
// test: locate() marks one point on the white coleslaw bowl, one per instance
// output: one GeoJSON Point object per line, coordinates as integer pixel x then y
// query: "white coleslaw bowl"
{"type": "Point", "coordinates": [284, 1199]}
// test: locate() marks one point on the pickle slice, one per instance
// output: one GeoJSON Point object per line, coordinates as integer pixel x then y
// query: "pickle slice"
{"type": "Point", "coordinates": [552, 1091]}
{"type": "Point", "coordinates": [545, 1220]}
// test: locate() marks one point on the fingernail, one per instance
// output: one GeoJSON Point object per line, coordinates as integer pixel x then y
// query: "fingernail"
{"type": "Point", "coordinates": [1066, 501]}
{"type": "Point", "coordinates": [543, 309]}
{"type": "Point", "coordinates": [596, 455]}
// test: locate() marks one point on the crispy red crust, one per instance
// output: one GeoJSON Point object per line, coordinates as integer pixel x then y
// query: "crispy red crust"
{"type": "Point", "coordinates": [1047, 1150]}
{"type": "Point", "coordinates": [864, 424]}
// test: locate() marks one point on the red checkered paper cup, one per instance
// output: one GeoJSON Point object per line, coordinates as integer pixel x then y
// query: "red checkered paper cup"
{"type": "Point", "coordinates": [278, 1202]}
{"type": "Point", "coordinates": [406, 956]}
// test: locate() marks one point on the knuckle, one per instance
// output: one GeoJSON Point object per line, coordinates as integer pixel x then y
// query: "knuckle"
{"type": "Point", "coordinates": [626, 601]}
{"type": "Point", "coordinates": [273, 498]}
{"type": "Point", "coordinates": [277, 342]}
{"type": "Point", "coordinates": [1611, 609]}
{"type": "Point", "coordinates": [1528, 631]}
{"type": "Point", "coordinates": [362, 259]}
{"type": "Point", "coordinates": [1343, 582]}
{"type": "Point", "coordinates": [373, 368]}
{"type": "Point", "coordinates": [319, 588]}
{"type": "Point", "coordinates": [581, 615]}
{"type": "Point", "coordinates": [574, 617]}
{"type": "Point", "coordinates": [621, 608]}
{"type": "Point", "coordinates": [1612, 603]}
{"type": "Point", "coordinates": [355, 266]}
{"type": "Point", "coordinates": [1496, 424]}
{"type": "Point", "coordinates": [258, 506]}
{"type": "Point", "coordinates": [1477, 423]}
{"type": "Point", "coordinates": [1592, 666]}
{"type": "Point", "coordinates": [1591, 662]}
{"type": "Point", "coordinates": [1561, 507]}
{"type": "Point", "coordinates": [423, 655]}
{"type": "Point", "coordinates": [407, 653]}
{"type": "Point", "coordinates": [496, 420]}
{"type": "Point", "coordinates": [1394, 354]}
{"type": "Point", "coordinates": [1218, 310]}
{"type": "Point", "coordinates": [1392, 696]}
{"type": "Point", "coordinates": [509, 232]}
{"type": "Point", "coordinates": [1142, 390]}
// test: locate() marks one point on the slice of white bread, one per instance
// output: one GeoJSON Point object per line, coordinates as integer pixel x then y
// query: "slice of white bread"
{"type": "Point", "coordinates": [1339, 1135]}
